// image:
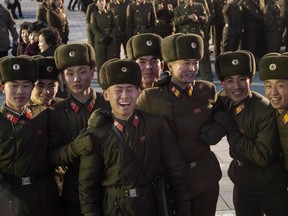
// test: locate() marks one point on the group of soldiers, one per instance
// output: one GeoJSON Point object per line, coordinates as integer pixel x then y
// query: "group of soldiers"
{"type": "Point", "coordinates": [104, 150]}
{"type": "Point", "coordinates": [98, 153]}
{"type": "Point", "coordinates": [255, 25]}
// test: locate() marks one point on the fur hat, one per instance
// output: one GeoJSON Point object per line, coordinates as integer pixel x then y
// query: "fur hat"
{"type": "Point", "coordinates": [241, 62]}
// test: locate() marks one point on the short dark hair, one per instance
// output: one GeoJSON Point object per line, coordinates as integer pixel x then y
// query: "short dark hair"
{"type": "Point", "coordinates": [51, 35]}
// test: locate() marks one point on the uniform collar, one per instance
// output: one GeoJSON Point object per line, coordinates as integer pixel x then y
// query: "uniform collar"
{"type": "Point", "coordinates": [285, 117]}
{"type": "Point", "coordinates": [120, 124]}
{"type": "Point", "coordinates": [177, 91]}
{"type": "Point", "coordinates": [13, 116]}
{"type": "Point", "coordinates": [238, 108]}
{"type": "Point", "coordinates": [88, 104]}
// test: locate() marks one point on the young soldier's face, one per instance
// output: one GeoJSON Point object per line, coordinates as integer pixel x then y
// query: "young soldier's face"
{"type": "Point", "coordinates": [237, 87]}
{"type": "Point", "coordinates": [184, 71]}
{"type": "Point", "coordinates": [151, 68]}
{"type": "Point", "coordinates": [277, 93]}
{"type": "Point", "coordinates": [44, 91]}
{"type": "Point", "coordinates": [17, 93]}
{"type": "Point", "coordinates": [101, 4]}
{"type": "Point", "coordinates": [122, 99]}
{"type": "Point", "coordinates": [78, 78]}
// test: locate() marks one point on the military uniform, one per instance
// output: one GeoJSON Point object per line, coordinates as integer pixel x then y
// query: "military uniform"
{"type": "Point", "coordinates": [185, 25]}
{"type": "Point", "coordinates": [256, 167]}
{"type": "Point", "coordinates": [164, 23]}
{"type": "Point", "coordinates": [273, 26]}
{"type": "Point", "coordinates": [141, 18]}
{"type": "Point", "coordinates": [101, 24]}
{"type": "Point", "coordinates": [111, 182]}
{"type": "Point", "coordinates": [260, 181]}
{"type": "Point", "coordinates": [119, 10]}
{"type": "Point", "coordinates": [187, 111]}
{"type": "Point", "coordinates": [232, 31]}
{"type": "Point", "coordinates": [90, 36]}
{"type": "Point", "coordinates": [24, 162]}
{"type": "Point", "coordinates": [58, 19]}
{"type": "Point", "coordinates": [273, 66]}
{"type": "Point", "coordinates": [42, 13]}
{"type": "Point", "coordinates": [66, 119]}
{"type": "Point", "coordinates": [253, 29]}
{"type": "Point", "coordinates": [218, 25]}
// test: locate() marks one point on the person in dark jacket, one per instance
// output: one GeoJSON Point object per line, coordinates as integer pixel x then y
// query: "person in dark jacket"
{"type": "Point", "coordinates": [273, 71]}
{"type": "Point", "coordinates": [24, 142]}
{"type": "Point", "coordinates": [111, 182]}
{"type": "Point", "coordinates": [42, 10]}
{"type": "Point", "coordinates": [90, 35]}
{"type": "Point", "coordinates": [188, 107]}
{"type": "Point", "coordinates": [101, 24]}
{"type": "Point", "coordinates": [24, 38]}
{"type": "Point", "coordinates": [141, 18]}
{"type": "Point", "coordinates": [119, 10]}
{"type": "Point", "coordinates": [232, 31]}
{"type": "Point", "coordinates": [32, 48]}
{"type": "Point", "coordinates": [49, 40]}
{"type": "Point", "coordinates": [57, 18]}
{"type": "Point", "coordinates": [76, 63]}
{"type": "Point", "coordinates": [260, 180]}
{"type": "Point", "coordinates": [47, 83]}
{"type": "Point", "coordinates": [7, 25]}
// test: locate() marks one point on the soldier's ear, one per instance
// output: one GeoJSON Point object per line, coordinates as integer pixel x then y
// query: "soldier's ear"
{"type": "Point", "coordinates": [106, 95]}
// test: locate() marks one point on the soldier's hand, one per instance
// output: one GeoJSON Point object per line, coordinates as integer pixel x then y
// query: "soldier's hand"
{"type": "Point", "coordinates": [97, 118]}
{"type": "Point", "coordinates": [82, 145]}
{"type": "Point", "coordinates": [212, 133]}
{"type": "Point", "coordinates": [227, 121]}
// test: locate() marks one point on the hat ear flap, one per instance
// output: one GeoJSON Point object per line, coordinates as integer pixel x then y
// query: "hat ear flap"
{"type": "Point", "coordinates": [129, 48]}
{"type": "Point", "coordinates": [252, 61]}
{"type": "Point", "coordinates": [217, 67]}
{"type": "Point", "coordinates": [57, 60]}
{"type": "Point", "coordinates": [36, 66]}
{"type": "Point", "coordinates": [91, 55]}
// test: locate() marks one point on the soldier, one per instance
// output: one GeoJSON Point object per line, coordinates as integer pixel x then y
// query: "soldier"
{"type": "Point", "coordinates": [145, 49]}
{"type": "Point", "coordinates": [42, 10]}
{"type": "Point", "coordinates": [218, 25]}
{"type": "Point", "coordinates": [57, 18]}
{"type": "Point", "coordinates": [253, 27]}
{"type": "Point", "coordinates": [273, 26]}
{"type": "Point", "coordinates": [187, 105]}
{"type": "Point", "coordinates": [141, 18]}
{"type": "Point", "coordinates": [273, 71]}
{"type": "Point", "coordinates": [111, 181]}
{"type": "Point", "coordinates": [232, 31]}
{"type": "Point", "coordinates": [101, 25]}
{"type": "Point", "coordinates": [189, 18]}
{"type": "Point", "coordinates": [47, 83]}
{"type": "Point", "coordinates": [23, 146]}
{"type": "Point", "coordinates": [90, 35]}
{"type": "Point", "coordinates": [119, 9]}
{"type": "Point", "coordinates": [164, 13]}
{"type": "Point", "coordinates": [68, 117]}
{"type": "Point", "coordinates": [260, 181]}
{"type": "Point", "coordinates": [7, 25]}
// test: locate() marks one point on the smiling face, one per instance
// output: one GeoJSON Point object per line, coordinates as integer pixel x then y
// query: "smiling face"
{"type": "Point", "coordinates": [122, 99]}
{"type": "Point", "coordinates": [184, 71]}
{"type": "Point", "coordinates": [277, 93]}
{"type": "Point", "coordinates": [237, 87]}
{"type": "Point", "coordinates": [151, 68]}
{"type": "Point", "coordinates": [17, 93]}
{"type": "Point", "coordinates": [44, 91]}
{"type": "Point", "coordinates": [25, 35]}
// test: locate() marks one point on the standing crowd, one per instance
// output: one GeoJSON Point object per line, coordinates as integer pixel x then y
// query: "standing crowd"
{"type": "Point", "coordinates": [66, 149]}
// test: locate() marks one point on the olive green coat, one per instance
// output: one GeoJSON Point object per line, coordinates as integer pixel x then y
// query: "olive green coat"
{"type": "Point", "coordinates": [111, 166]}
{"type": "Point", "coordinates": [64, 126]}
{"type": "Point", "coordinates": [186, 116]}
{"type": "Point", "coordinates": [283, 131]}
{"type": "Point", "coordinates": [140, 18]}
{"type": "Point", "coordinates": [256, 145]}
{"type": "Point", "coordinates": [23, 153]}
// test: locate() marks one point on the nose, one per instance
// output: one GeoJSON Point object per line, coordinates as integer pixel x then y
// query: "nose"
{"type": "Point", "coordinates": [20, 90]}
{"type": "Point", "coordinates": [274, 90]}
{"type": "Point", "coordinates": [76, 77]}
